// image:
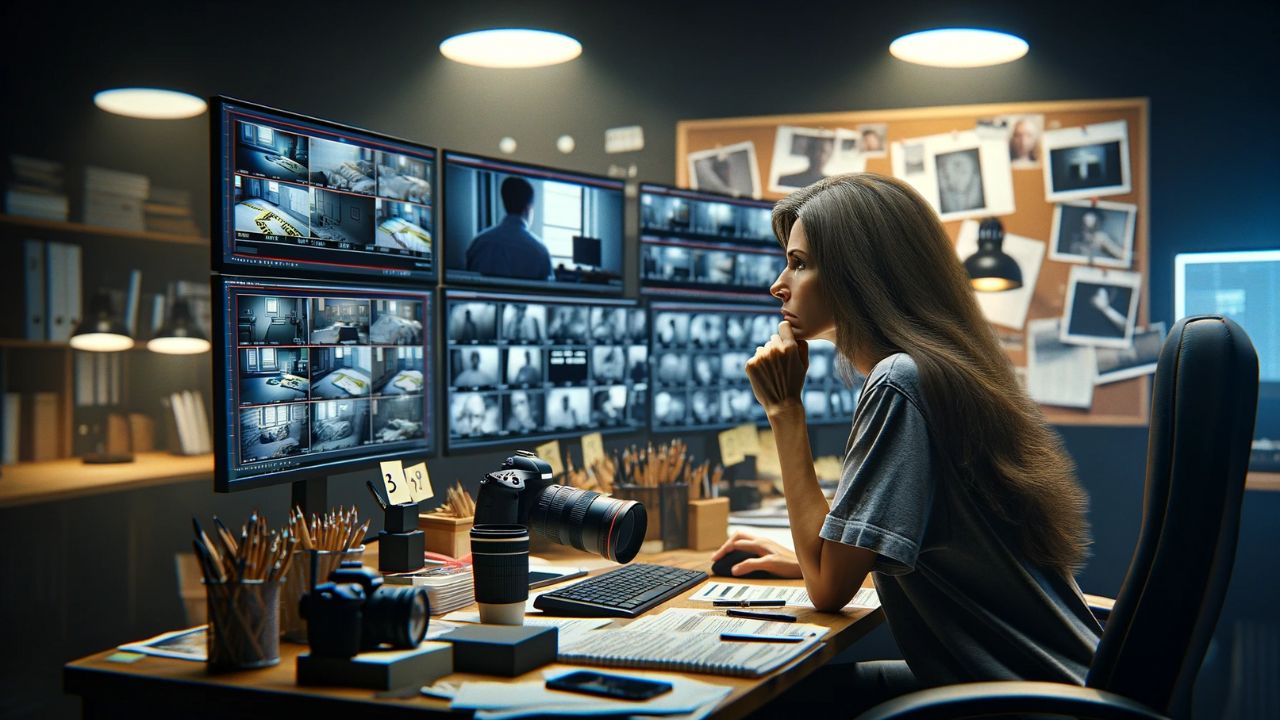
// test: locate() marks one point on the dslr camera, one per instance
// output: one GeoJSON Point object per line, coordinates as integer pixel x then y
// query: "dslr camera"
{"type": "Point", "coordinates": [355, 612]}
{"type": "Point", "coordinates": [522, 493]}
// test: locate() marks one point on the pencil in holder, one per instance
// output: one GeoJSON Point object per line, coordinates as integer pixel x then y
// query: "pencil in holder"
{"type": "Point", "coordinates": [300, 581]}
{"type": "Point", "coordinates": [650, 496]}
{"type": "Point", "coordinates": [244, 624]}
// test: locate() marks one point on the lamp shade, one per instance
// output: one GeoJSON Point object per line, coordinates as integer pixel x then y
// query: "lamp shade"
{"type": "Point", "coordinates": [179, 335]}
{"type": "Point", "coordinates": [511, 48]}
{"type": "Point", "coordinates": [101, 330]}
{"type": "Point", "coordinates": [150, 103]}
{"type": "Point", "coordinates": [991, 269]}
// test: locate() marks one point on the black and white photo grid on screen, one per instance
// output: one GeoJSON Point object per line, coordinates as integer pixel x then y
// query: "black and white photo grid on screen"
{"type": "Point", "coordinates": [526, 368]}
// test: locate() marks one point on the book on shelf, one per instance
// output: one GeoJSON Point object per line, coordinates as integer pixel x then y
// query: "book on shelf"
{"type": "Point", "coordinates": [37, 189]}
{"type": "Point", "coordinates": [41, 433]}
{"type": "Point", "coordinates": [188, 424]}
{"type": "Point", "coordinates": [114, 198]}
{"type": "Point", "coordinates": [168, 210]}
{"type": "Point", "coordinates": [12, 427]}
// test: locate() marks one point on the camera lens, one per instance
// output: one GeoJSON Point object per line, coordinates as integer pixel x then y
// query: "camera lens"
{"type": "Point", "coordinates": [396, 616]}
{"type": "Point", "coordinates": [589, 521]}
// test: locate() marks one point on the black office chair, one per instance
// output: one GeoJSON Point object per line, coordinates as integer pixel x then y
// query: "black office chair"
{"type": "Point", "coordinates": [1203, 405]}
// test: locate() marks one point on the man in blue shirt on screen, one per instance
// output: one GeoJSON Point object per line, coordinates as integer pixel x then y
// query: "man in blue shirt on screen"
{"type": "Point", "coordinates": [508, 248]}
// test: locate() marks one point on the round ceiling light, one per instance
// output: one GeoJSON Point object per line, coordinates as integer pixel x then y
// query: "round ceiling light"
{"type": "Point", "coordinates": [958, 47]}
{"type": "Point", "coordinates": [511, 48]}
{"type": "Point", "coordinates": [150, 103]}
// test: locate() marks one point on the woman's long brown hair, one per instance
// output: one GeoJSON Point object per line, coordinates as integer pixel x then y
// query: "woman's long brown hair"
{"type": "Point", "coordinates": [889, 271]}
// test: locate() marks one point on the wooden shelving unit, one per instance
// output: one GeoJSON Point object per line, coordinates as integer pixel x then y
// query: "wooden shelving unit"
{"type": "Point", "coordinates": [29, 483]}
{"type": "Point", "coordinates": [39, 225]}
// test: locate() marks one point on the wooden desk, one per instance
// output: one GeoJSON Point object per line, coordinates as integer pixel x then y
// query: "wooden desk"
{"type": "Point", "coordinates": [159, 686]}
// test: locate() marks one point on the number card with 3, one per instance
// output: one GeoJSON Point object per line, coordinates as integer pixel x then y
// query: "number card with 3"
{"type": "Point", "coordinates": [398, 490]}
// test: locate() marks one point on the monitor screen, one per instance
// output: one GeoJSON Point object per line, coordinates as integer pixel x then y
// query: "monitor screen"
{"type": "Point", "coordinates": [294, 193]}
{"type": "Point", "coordinates": [699, 379]}
{"type": "Point", "coordinates": [319, 378]}
{"type": "Point", "coordinates": [702, 244]}
{"type": "Point", "coordinates": [523, 368]}
{"type": "Point", "coordinates": [514, 225]}
{"type": "Point", "coordinates": [1244, 286]}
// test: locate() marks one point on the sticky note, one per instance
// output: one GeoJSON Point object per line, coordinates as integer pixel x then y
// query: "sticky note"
{"type": "Point", "coordinates": [592, 449]}
{"type": "Point", "coordinates": [419, 482]}
{"type": "Point", "coordinates": [731, 447]}
{"type": "Point", "coordinates": [398, 491]}
{"type": "Point", "coordinates": [748, 438]}
{"type": "Point", "coordinates": [551, 453]}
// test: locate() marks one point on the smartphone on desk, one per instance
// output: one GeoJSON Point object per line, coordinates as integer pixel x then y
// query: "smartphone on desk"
{"type": "Point", "coordinates": [612, 686]}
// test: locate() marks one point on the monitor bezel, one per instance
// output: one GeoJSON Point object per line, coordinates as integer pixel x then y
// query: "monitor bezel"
{"type": "Point", "coordinates": [448, 447]}
{"type": "Point", "coordinates": [222, 472]}
{"type": "Point", "coordinates": [690, 293]}
{"type": "Point", "coordinates": [219, 237]}
{"type": "Point", "coordinates": [488, 283]}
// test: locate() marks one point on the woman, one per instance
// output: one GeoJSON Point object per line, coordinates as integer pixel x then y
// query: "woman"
{"type": "Point", "coordinates": [955, 493]}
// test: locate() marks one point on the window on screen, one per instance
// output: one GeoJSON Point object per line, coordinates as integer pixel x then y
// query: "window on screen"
{"type": "Point", "coordinates": [561, 219]}
{"type": "Point", "coordinates": [265, 135]}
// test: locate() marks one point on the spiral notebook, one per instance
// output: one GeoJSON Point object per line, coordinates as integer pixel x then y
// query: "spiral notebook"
{"type": "Point", "coordinates": [688, 640]}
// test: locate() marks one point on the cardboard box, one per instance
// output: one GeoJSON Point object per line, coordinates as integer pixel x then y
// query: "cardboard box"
{"type": "Point", "coordinates": [708, 523]}
{"type": "Point", "coordinates": [446, 535]}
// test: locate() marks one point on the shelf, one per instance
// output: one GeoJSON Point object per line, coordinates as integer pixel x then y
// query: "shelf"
{"type": "Point", "coordinates": [56, 480]}
{"type": "Point", "coordinates": [21, 343]}
{"type": "Point", "coordinates": [94, 230]}
{"type": "Point", "coordinates": [1262, 481]}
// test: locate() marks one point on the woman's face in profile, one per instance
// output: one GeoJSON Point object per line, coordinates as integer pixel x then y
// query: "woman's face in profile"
{"type": "Point", "coordinates": [799, 290]}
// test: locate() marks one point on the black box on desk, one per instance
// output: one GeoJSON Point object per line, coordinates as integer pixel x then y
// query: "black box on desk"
{"type": "Point", "coordinates": [401, 552]}
{"type": "Point", "coordinates": [506, 650]}
{"type": "Point", "coordinates": [379, 670]}
{"type": "Point", "coordinates": [402, 518]}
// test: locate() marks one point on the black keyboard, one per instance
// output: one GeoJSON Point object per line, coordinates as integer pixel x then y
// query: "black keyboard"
{"type": "Point", "coordinates": [624, 592]}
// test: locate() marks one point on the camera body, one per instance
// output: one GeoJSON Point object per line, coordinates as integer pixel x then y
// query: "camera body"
{"type": "Point", "coordinates": [355, 612]}
{"type": "Point", "coordinates": [523, 492]}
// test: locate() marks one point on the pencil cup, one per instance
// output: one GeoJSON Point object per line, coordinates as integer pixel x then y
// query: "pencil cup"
{"type": "Point", "coordinates": [299, 581]}
{"type": "Point", "coordinates": [650, 496]}
{"type": "Point", "coordinates": [675, 515]}
{"type": "Point", "coordinates": [244, 624]}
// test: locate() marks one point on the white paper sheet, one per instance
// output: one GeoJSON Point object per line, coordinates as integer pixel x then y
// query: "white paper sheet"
{"type": "Point", "coordinates": [1007, 308]}
{"type": "Point", "coordinates": [865, 598]}
{"type": "Point", "coordinates": [716, 622]}
{"type": "Point", "coordinates": [499, 700]}
{"type": "Point", "coordinates": [1058, 373]}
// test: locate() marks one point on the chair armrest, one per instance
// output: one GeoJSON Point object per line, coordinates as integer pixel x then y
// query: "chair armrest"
{"type": "Point", "coordinates": [1010, 697]}
{"type": "Point", "coordinates": [1100, 606]}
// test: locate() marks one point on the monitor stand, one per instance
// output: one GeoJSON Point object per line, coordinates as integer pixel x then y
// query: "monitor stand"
{"type": "Point", "coordinates": [311, 495]}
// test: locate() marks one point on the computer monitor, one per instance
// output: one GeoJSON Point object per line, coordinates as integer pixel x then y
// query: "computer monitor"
{"type": "Point", "coordinates": [699, 244]}
{"type": "Point", "coordinates": [1244, 286]}
{"type": "Point", "coordinates": [294, 195]}
{"type": "Point", "coordinates": [699, 380]}
{"type": "Point", "coordinates": [524, 368]}
{"type": "Point", "coordinates": [509, 225]}
{"type": "Point", "coordinates": [318, 378]}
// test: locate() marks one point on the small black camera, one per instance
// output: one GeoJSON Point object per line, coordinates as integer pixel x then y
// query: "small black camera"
{"type": "Point", "coordinates": [521, 492]}
{"type": "Point", "coordinates": [355, 611]}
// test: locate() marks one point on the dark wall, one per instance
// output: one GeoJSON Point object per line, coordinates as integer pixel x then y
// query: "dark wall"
{"type": "Point", "coordinates": [1208, 71]}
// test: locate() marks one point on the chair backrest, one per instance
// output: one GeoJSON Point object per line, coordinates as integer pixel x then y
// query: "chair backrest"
{"type": "Point", "coordinates": [1203, 404]}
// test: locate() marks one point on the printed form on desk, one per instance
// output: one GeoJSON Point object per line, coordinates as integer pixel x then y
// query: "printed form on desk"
{"type": "Point", "coordinates": [688, 700]}
{"type": "Point", "coordinates": [864, 599]}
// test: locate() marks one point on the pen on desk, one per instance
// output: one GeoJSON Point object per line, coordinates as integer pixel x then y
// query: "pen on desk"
{"type": "Point", "coordinates": [749, 603]}
{"type": "Point", "coordinates": [744, 637]}
{"type": "Point", "coordinates": [757, 615]}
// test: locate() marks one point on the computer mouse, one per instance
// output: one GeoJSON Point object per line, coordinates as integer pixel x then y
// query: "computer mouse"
{"type": "Point", "coordinates": [724, 566]}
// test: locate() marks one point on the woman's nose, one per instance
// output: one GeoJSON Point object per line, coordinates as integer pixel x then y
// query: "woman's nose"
{"type": "Point", "coordinates": [778, 288]}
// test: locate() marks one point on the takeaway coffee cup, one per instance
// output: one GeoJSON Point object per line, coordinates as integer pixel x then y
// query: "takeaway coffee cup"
{"type": "Point", "coordinates": [500, 570]}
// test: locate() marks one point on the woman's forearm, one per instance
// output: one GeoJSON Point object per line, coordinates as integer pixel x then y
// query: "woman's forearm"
{"type": "Point", "coordinates": [806, 506]}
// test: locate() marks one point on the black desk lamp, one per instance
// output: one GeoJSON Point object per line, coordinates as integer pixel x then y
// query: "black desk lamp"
{"type": "Point", "coordinates": [991, 269]}
{"type": "Point", "coordinates": [179, 335]}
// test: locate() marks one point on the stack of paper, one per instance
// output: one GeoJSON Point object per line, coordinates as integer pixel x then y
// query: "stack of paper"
{"type": "Point", "coordinates": [449, 586]}
{"type": "Point", "coordinates": [36, 189]}
{"type": "Point", "coordinates": [114, 198]}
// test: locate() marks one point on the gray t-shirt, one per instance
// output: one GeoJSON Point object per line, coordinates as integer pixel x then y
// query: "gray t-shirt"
{"type": "Point", "coordinates": [963, 602]}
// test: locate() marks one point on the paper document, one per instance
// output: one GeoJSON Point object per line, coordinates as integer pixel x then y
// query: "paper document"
{"type": "Point", "coordinates": [685, 651]}
{"type": "Point", "coordinates": [569, 628]}
{"type": "Point", "coordinates": [716, 622]}
{"type": "Point", "coordinates": [793, 596]}
{"type": "Point", "coordinates": [498, 700]}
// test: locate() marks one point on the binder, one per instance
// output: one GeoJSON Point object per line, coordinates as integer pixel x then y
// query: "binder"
{"type": "Point", "coordinates": [12, 421]}
{"type": "Point", "coordinates": [62, 289]}
{"type": "Point", "coordinates": [33, 261]}
{"type": "Point", "coordinates": [132, 300]}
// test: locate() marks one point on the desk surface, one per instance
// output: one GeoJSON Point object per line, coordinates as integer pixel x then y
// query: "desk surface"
{"type": "Point", "coordinates": [160, 683]}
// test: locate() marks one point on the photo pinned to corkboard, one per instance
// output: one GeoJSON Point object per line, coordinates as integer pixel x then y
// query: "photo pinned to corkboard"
{"type": "Point", "coordinates": [1068, 181]}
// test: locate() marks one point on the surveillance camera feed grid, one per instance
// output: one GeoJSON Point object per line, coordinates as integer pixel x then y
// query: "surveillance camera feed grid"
{"type": "Point", "coordinates": [302, 195]}
{"type": "Point", "coordinates": [524, 369]}
{"type": "Point", "coordinates": [324, 374]}
{"type": "Point", "coordinates": [699, 376]}
{"type": "Point", "coordinates": [703, 243]}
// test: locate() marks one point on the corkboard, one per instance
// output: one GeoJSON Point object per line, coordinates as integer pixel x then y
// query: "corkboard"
{"type": "Point", "coordinates": [1119, 403]}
